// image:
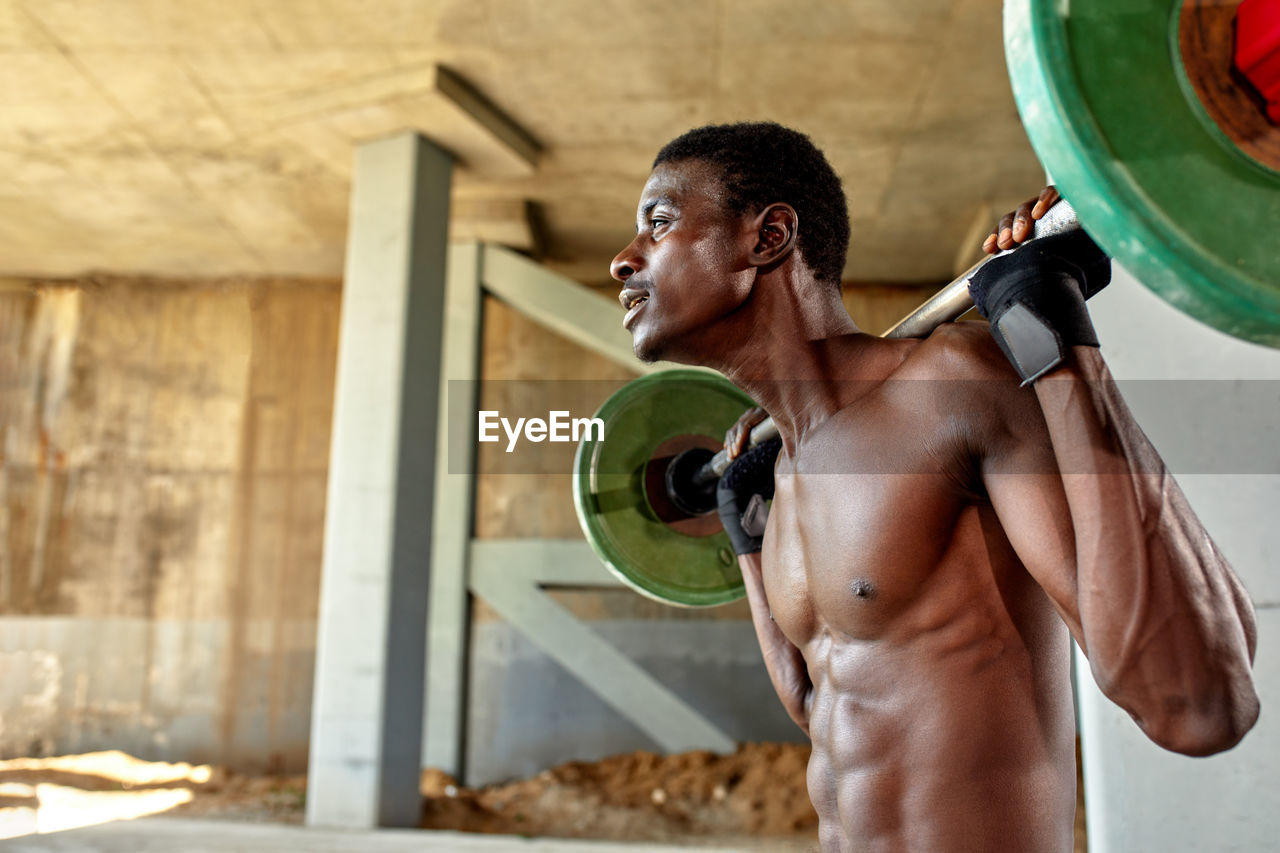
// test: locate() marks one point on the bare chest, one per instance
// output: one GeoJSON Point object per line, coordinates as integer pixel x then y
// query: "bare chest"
{"type": "Point", "coordinates": [859, 530]}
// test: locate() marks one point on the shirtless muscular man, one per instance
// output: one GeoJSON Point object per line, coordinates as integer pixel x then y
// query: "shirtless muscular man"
{"type": "Point", "coordinates": [939, 530]}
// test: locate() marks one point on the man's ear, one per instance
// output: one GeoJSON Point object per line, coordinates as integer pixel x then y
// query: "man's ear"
{"type": "Point", "coordinates": [774, 230]}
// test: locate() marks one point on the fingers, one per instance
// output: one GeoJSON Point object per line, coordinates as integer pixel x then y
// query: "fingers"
{"type": "Point", "coordinates": [731, 441]}
{"type": "Point", "coordinates": [1048, 198]}
{"type": "Point", "coordinates": [735, 440]}
{"type": "Point", "coordinates": [1021, 224]}
{"type": "Point", "coordinates": [1016, 226]}
{"type": "Point", "coordinates": [1004, 233]}
{"type": "Point", "coordinates": [738, 436]}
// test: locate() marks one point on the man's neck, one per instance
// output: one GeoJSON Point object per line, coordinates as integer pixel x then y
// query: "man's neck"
{"type": "Point", "coordinates": [793, 344]}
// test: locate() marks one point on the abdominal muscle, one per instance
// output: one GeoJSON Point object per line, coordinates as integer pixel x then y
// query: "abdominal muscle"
{"type": "Point", "coordinates": [943, 761]}
{"type": "Point", "coordinates": [949, 728]}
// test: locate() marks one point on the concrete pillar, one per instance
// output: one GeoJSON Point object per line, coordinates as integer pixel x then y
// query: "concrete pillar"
{"type": "Point", "coordinates": [366, 720]}
{"type": "Point", "coordinates": [1217, 433]}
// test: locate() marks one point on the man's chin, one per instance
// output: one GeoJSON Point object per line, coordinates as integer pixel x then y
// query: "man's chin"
{"type": "Point", "coordinates": [649, 355]}
{"type": "Point", "coordinates": [646, 354]}
{"type": "Point", "coordinates": [650, 348]}
{"type": "Point", "coordinates": [646, 348]}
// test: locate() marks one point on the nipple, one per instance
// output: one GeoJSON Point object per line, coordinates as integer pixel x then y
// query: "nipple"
{"type": "Point", "coordinates": [863, 588]}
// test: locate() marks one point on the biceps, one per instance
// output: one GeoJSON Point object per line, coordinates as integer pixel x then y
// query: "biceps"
{"type": "Point", "coordinates": [1032, 510]}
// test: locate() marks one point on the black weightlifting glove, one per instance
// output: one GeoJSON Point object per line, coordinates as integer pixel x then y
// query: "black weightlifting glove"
{"type": "Point", "coordinates": [745, 486]}
{"type": "Point", "coordinates": [1034, 299]}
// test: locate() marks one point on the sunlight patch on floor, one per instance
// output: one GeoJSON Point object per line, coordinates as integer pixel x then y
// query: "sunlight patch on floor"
{"type": "Point", "coordinates": [101, 787]}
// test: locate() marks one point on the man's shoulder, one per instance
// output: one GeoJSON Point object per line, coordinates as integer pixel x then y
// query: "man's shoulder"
{"type": "Point", "coordinates": [954, 382]}
{"type": "Point", "coordinates": [937, 407]}
{"type": "Point", "coordinates": [957, 351]}
{"type": "Point", "coordinates": [958, 380]}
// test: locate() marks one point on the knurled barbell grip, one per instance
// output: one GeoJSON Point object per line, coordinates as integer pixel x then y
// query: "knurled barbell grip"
{"type": "Point", "coordinates": [943, 307]}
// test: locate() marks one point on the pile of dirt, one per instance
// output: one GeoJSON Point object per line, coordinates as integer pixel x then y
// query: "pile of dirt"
{"type": "Point", "coordinates": [256, 799]}
{"type": "Point", "coordinates": [757, 792]}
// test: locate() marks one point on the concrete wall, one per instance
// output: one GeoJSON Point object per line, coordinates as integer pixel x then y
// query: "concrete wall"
{"type": "Point", "coordinates": [1219, 437]}
{"type": "Point", "coordinates": [164, 449]}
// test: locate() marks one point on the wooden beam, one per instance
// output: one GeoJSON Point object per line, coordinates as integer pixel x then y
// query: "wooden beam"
{"type": "Point", "coordinates": [504, 573]}
{"type": "Point", "coordinates": [562, 305]}
{"type": "Point", "coordinates": [551, 562]}
{"type": "Point", "coordinates": [484, 114]}
{"type": "Point", "coordinates": [505, 222]}
{"type": "Point", "coordinates": [449, 615]}
{"type": "Point", "coordinates": [430, 98]}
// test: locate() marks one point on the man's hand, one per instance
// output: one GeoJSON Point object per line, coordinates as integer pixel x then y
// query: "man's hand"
{"type": "Point", "coordinates": [1015, 226]}
{"type": "Point", "coordinates": [1034, 299]}
{"type": "Point", "coordinates": [742, 493]}
{"type": "Point", "coordinates": [738, 436]}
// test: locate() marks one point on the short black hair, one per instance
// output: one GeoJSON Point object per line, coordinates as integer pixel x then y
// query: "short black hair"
{"type": "Point", "coordinates": [761, 163]}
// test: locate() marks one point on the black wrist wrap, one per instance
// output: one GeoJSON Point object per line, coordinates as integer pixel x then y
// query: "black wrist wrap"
{"type": "Point", "coordinates": [1034, 299]}
{"type": "Point", "coordinates": [741, 493]}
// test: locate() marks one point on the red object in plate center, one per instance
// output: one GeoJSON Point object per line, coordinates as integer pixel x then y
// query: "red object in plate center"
{"type": "Point", "coordinates": [1258, 49]}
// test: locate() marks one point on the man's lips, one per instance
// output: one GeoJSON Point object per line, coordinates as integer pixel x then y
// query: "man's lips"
{"type": "Point", "coordinates": [631, 295]}
{"type": "Point", "coordinates": [633, 299]}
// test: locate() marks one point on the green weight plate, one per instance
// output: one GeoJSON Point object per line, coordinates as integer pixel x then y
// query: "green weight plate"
{"type": "Point", "coordinates": [1107, 103]}
{"type": "Point", "coordinates": [609, 492]}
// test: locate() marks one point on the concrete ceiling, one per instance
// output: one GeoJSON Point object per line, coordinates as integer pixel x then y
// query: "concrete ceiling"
{"type": "Point", "coordinates": [215, 137]}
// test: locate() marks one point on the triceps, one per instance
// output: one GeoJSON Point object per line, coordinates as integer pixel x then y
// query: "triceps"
{"type": "Point", "coordinates": [784, 662]}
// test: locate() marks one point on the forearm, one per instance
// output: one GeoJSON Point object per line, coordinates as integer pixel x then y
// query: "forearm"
{"type": "Point", "coordinates": [1167, 626]}
{"type": "Point", "coordinates": [785, 664]}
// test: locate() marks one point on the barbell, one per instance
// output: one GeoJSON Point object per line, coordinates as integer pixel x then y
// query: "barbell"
{"type": "Point", "coordinates": [1137, 110]}
{"type": "Point", "coordinates": [1165, 150]}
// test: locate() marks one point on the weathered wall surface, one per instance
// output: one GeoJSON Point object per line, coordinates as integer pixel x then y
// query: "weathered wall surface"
{"type": "Point", "coordinates": [164, 449]}
{"type": "Point", "coordinates": [163, 456]}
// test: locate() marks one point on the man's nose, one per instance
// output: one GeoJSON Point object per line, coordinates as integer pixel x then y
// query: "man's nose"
{"type": "Point", "coordinates": [626, 264]}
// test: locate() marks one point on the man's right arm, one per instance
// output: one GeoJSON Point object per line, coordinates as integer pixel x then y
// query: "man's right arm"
{"type": "Point", "coordinates": [786, 666]}
{"type": "Point", "coordinates": [746, 484]}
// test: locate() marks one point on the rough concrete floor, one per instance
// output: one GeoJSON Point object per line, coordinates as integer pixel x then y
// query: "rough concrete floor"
{"type": "Point", "coordinates": [165, 835]}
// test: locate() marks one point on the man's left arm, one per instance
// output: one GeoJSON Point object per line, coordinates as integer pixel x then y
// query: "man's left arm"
{"type": "Point", "coordinates": [1099, 521]}
{"type": "Point", "coordinates": [1095, 516]}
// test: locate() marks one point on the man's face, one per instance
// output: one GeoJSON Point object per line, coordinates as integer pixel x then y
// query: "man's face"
{"type": "Point", "coordinates": [684, 270]}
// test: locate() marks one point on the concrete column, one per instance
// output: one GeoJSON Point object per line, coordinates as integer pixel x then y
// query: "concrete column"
{"type": "Point", "coordinates": [366, 719]}
{"type": "Point", "coordinates": [1216, 430]}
